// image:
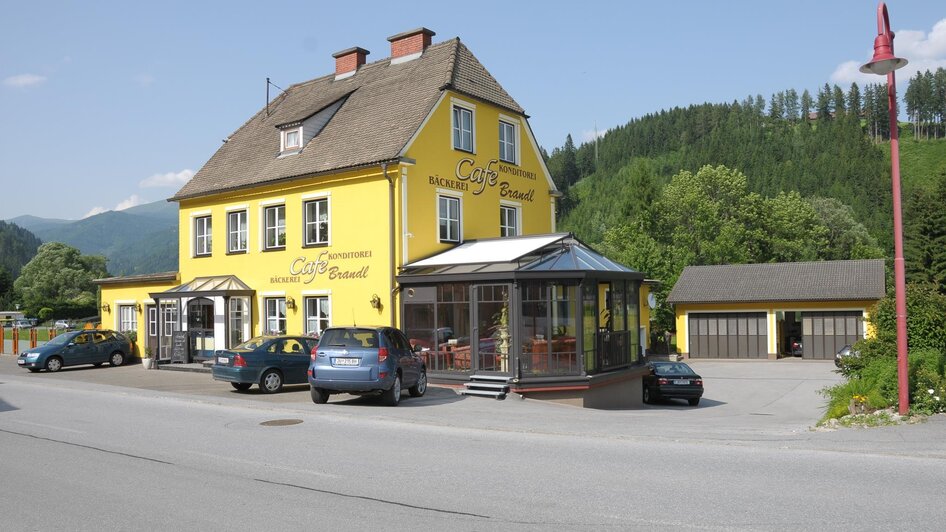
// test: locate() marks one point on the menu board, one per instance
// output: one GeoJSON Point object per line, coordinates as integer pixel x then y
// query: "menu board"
{"type": "Point", "coordinates": [179, 347]}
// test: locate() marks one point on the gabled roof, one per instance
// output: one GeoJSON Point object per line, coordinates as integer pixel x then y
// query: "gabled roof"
{"type": "Point", "coordinates": [160, 277]}
{"type": "Point", "coordinates": [386, 105]}
{"type": "Point", "coordinates": [840, 280]}
{"type": "Point", "coordinates": [218, 285]}
{"type": "Point", "coordinates": [552, 256]}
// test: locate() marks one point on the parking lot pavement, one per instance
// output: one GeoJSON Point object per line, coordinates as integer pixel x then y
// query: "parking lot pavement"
{"type": "Point", "coordinates": [740, 395]}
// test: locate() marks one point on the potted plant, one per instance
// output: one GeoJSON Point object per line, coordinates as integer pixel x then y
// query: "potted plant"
{"type": "Point", "coordinates": [148, 359]}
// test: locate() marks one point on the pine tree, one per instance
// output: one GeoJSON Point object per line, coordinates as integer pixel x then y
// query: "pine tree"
{"type": "Point", "coordinates": [791, 105]}
{"type": "Point", "coordinates": [806, 103]}
{"type": "Point", "coordinates": [854, 100]}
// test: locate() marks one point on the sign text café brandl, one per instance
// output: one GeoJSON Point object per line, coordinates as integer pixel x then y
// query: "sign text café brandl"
{"type": "Point", "coordinates": [305, 271]}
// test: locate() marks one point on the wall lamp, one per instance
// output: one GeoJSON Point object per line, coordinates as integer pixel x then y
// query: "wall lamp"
{"type": "Point", "coordinates": [290, 303]}
{"type": "Point", "coordinates": [138, 307]}
{"type": "Point", "coordinates": [375, 301]}
{"type": "Point", "coordinates": [106, 308]}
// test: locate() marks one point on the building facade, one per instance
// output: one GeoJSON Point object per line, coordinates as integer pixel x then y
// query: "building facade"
{"type": "Point", "coordinates": [806, 309]}
{"type": "Point", "coordinates": [308, 212]}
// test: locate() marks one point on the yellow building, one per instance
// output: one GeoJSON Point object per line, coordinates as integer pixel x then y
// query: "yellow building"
{"type": "Point", "coordinates": [806, 309]}
{"type": "Point", "coordinates": [308, 213]}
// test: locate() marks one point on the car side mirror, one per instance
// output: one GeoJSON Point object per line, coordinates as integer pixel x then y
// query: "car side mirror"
{"type": "Point", "coordinates": [416, 348]}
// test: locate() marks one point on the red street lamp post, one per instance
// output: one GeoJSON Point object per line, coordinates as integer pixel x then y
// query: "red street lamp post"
{"type": "Point", "coordinates": [884, 62]}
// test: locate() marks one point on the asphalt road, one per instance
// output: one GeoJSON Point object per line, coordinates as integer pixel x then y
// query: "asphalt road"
{"type": "Point", "coordinates": [129, 449]}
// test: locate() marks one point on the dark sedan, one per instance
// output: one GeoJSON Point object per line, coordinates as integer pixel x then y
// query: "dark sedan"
{"type": "Point", "coordinates": [269, 361]}
{"type": "Point", "coordinates": [672, 380]}
{"type": "Point", "coordinates": [78, 347]}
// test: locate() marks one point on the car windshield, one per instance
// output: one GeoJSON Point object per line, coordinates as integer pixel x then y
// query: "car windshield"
{"type": "Point", "coordinates": [253, 343]}
{"type": "Point", "coordinates": [62, 339]}
{"type": "Point", "coordinates": [673, 368]}
{"type": "Point", "coordinates": [349, 338]}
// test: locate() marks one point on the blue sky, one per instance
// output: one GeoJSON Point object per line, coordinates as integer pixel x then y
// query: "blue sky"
{"type": "Point", "coordinates": [106, 105]}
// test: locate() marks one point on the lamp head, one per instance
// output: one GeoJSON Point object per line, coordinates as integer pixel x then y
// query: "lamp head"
{"type": "Point", "coordinates": [883, 62]}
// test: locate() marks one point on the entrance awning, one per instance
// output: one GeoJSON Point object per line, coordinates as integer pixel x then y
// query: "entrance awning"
{"type": "Point", "coordinates": [219, 285]}
{"type": "Point", "coordinates": [553, 256]}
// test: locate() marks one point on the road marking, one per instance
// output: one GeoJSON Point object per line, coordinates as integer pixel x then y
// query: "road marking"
{"type": "Point", "coordinates": [259, 464]}
{"type": "Point", "coordinates": [53, 427]}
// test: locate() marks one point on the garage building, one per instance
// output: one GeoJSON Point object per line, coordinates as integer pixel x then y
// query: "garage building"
{"type": "Point", "coordinates": [806, 309]}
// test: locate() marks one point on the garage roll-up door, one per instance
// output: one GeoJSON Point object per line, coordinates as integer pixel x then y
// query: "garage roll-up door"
{"type": "Point", "coordinates": [728, 335]}
{"type": "Point", "coordinates": [824, 333]}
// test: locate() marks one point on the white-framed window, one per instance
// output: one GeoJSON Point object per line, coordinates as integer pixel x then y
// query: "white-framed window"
{"type": "Point", "coordinates": [152, 321]}
{"type": "Point", "coordinates": [275, 227]}
{"type": "Point", "coordinates": [508, 142]}
{"type": "Point", "coordinates": [202, 236]}
{"type": "Point", "coordinates": [316, 222]}
{"type": "Point", "coordinates": [239, 321]}
{"type": "Point", "coordinates": [508, 221]}
{"type": "Point", "coordinates": [317, 315]}
{"type": "Point", "coordinates": [237, 232]}
{"type": "Point", "coordinates": [169, 317]}
{"type": "Point", "coordinates": [291, 139]}
{"type": "Point", "coordinates": [127, 321]}
{"type": "Point", "coordinates": [462, 128]}
{"type": "Point", "coordinates": [448, 218]}
{"type": "Point", "coordinates": [275, 315]}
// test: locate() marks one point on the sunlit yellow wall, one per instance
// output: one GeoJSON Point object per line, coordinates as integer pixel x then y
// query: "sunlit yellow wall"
{"type": "Point", "coordinates": [437, 169]}
{"type": "Point", "coordinates": [359, 214]}
{"type": "Point", "coordinates": [770, 308]}
{"type": "Point", "coordinates": [129, 294]}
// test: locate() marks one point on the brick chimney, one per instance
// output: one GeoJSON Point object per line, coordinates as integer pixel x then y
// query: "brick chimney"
{"type": "Point", "coordinates": [410, 44]}
{"type": "Point", "coordinates": [348, 61]}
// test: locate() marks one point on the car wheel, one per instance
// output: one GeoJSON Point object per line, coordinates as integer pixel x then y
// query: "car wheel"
{"type": "Point", "coordinates": [319, 396]}
{"type": "Point", "coordinates": [241, 386]}
{"type": "Point", "coordinates": [116, 359]}
{"type": "Point", "coordinates": [270, 382]}
{"type": "Point", "coordinates": [694, 402]}
{"type": "Point", "coordinates": [647, 398]}
{"type": "Point", "coordinates": [392, 396]}
{"type": "Point", "coordinates": [53, 364]}
{"type": "Point", "coordinates": [419, 389]}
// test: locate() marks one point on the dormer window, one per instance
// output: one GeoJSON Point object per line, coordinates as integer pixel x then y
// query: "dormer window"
{"type": "Point", "coordinates": [291, 139]}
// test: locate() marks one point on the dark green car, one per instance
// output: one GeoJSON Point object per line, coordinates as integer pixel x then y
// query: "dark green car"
{"type": "Point", "coordinates": [269, 361]}
{"type": "Point", "coordinates": [78, 347]}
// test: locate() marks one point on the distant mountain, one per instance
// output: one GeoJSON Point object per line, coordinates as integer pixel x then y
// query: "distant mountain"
{"type": "Point", "coordinates": [138, 240]}
{"type": "Point", "coordinates": [35, 223]}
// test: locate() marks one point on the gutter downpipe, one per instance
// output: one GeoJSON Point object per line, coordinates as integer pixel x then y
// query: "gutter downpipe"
{"type": "Point", "coordinates": [391, 265]}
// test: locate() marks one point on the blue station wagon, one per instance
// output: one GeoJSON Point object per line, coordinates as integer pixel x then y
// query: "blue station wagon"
{"type": "Point", "coordinates": [78, 347]}
{"type": "Point", "coordinates": [366, 361]}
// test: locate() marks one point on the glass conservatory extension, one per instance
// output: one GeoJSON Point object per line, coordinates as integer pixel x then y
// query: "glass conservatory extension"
{"type": "Point", "coordinates": [525, 308]}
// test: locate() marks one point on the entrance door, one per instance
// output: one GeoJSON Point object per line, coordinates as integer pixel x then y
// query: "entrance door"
{"type": "Point", "coordinates": [492, 336]}
{"type": "Point", "coordinates": [200, 328]}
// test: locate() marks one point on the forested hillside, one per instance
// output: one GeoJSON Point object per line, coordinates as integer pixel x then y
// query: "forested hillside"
{"type": "Point", "coordinates": [17, 247]}
{"type": "Point", "coordinates": [793, 178]}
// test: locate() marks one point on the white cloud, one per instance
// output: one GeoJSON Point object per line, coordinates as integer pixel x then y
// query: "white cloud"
{"type": "Point", "coordinates": [128, 203]}
{"type": "Point", "coordinates": [923, 51]}
{"type": "Point", "coordinates": [21, 81]}
{"type": "Point", "coordinates": [94, 211]}
{"type": "Point", "coordinates": [170, 179]}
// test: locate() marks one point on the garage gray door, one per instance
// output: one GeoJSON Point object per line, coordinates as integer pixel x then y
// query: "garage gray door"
{"type": "Point", "coordinates": [824, 333]}
{"type": "Point", "coordinates": [728, 335]}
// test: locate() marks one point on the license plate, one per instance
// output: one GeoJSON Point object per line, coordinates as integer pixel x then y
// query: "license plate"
{"type": "Point", "coordinates": [681, 381]}
{"type": "Point", "coordinates": [223, 360]}
{"type": "Point", "coordinates": [21, 362]}
{"type": "Point", "coordinates": [347, 361]}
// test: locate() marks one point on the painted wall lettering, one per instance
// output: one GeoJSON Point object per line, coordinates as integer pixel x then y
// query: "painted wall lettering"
{"type": "Point", "coordinates": [482, 176]}
{"type": "Point", "coordinates": [308, 269]}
